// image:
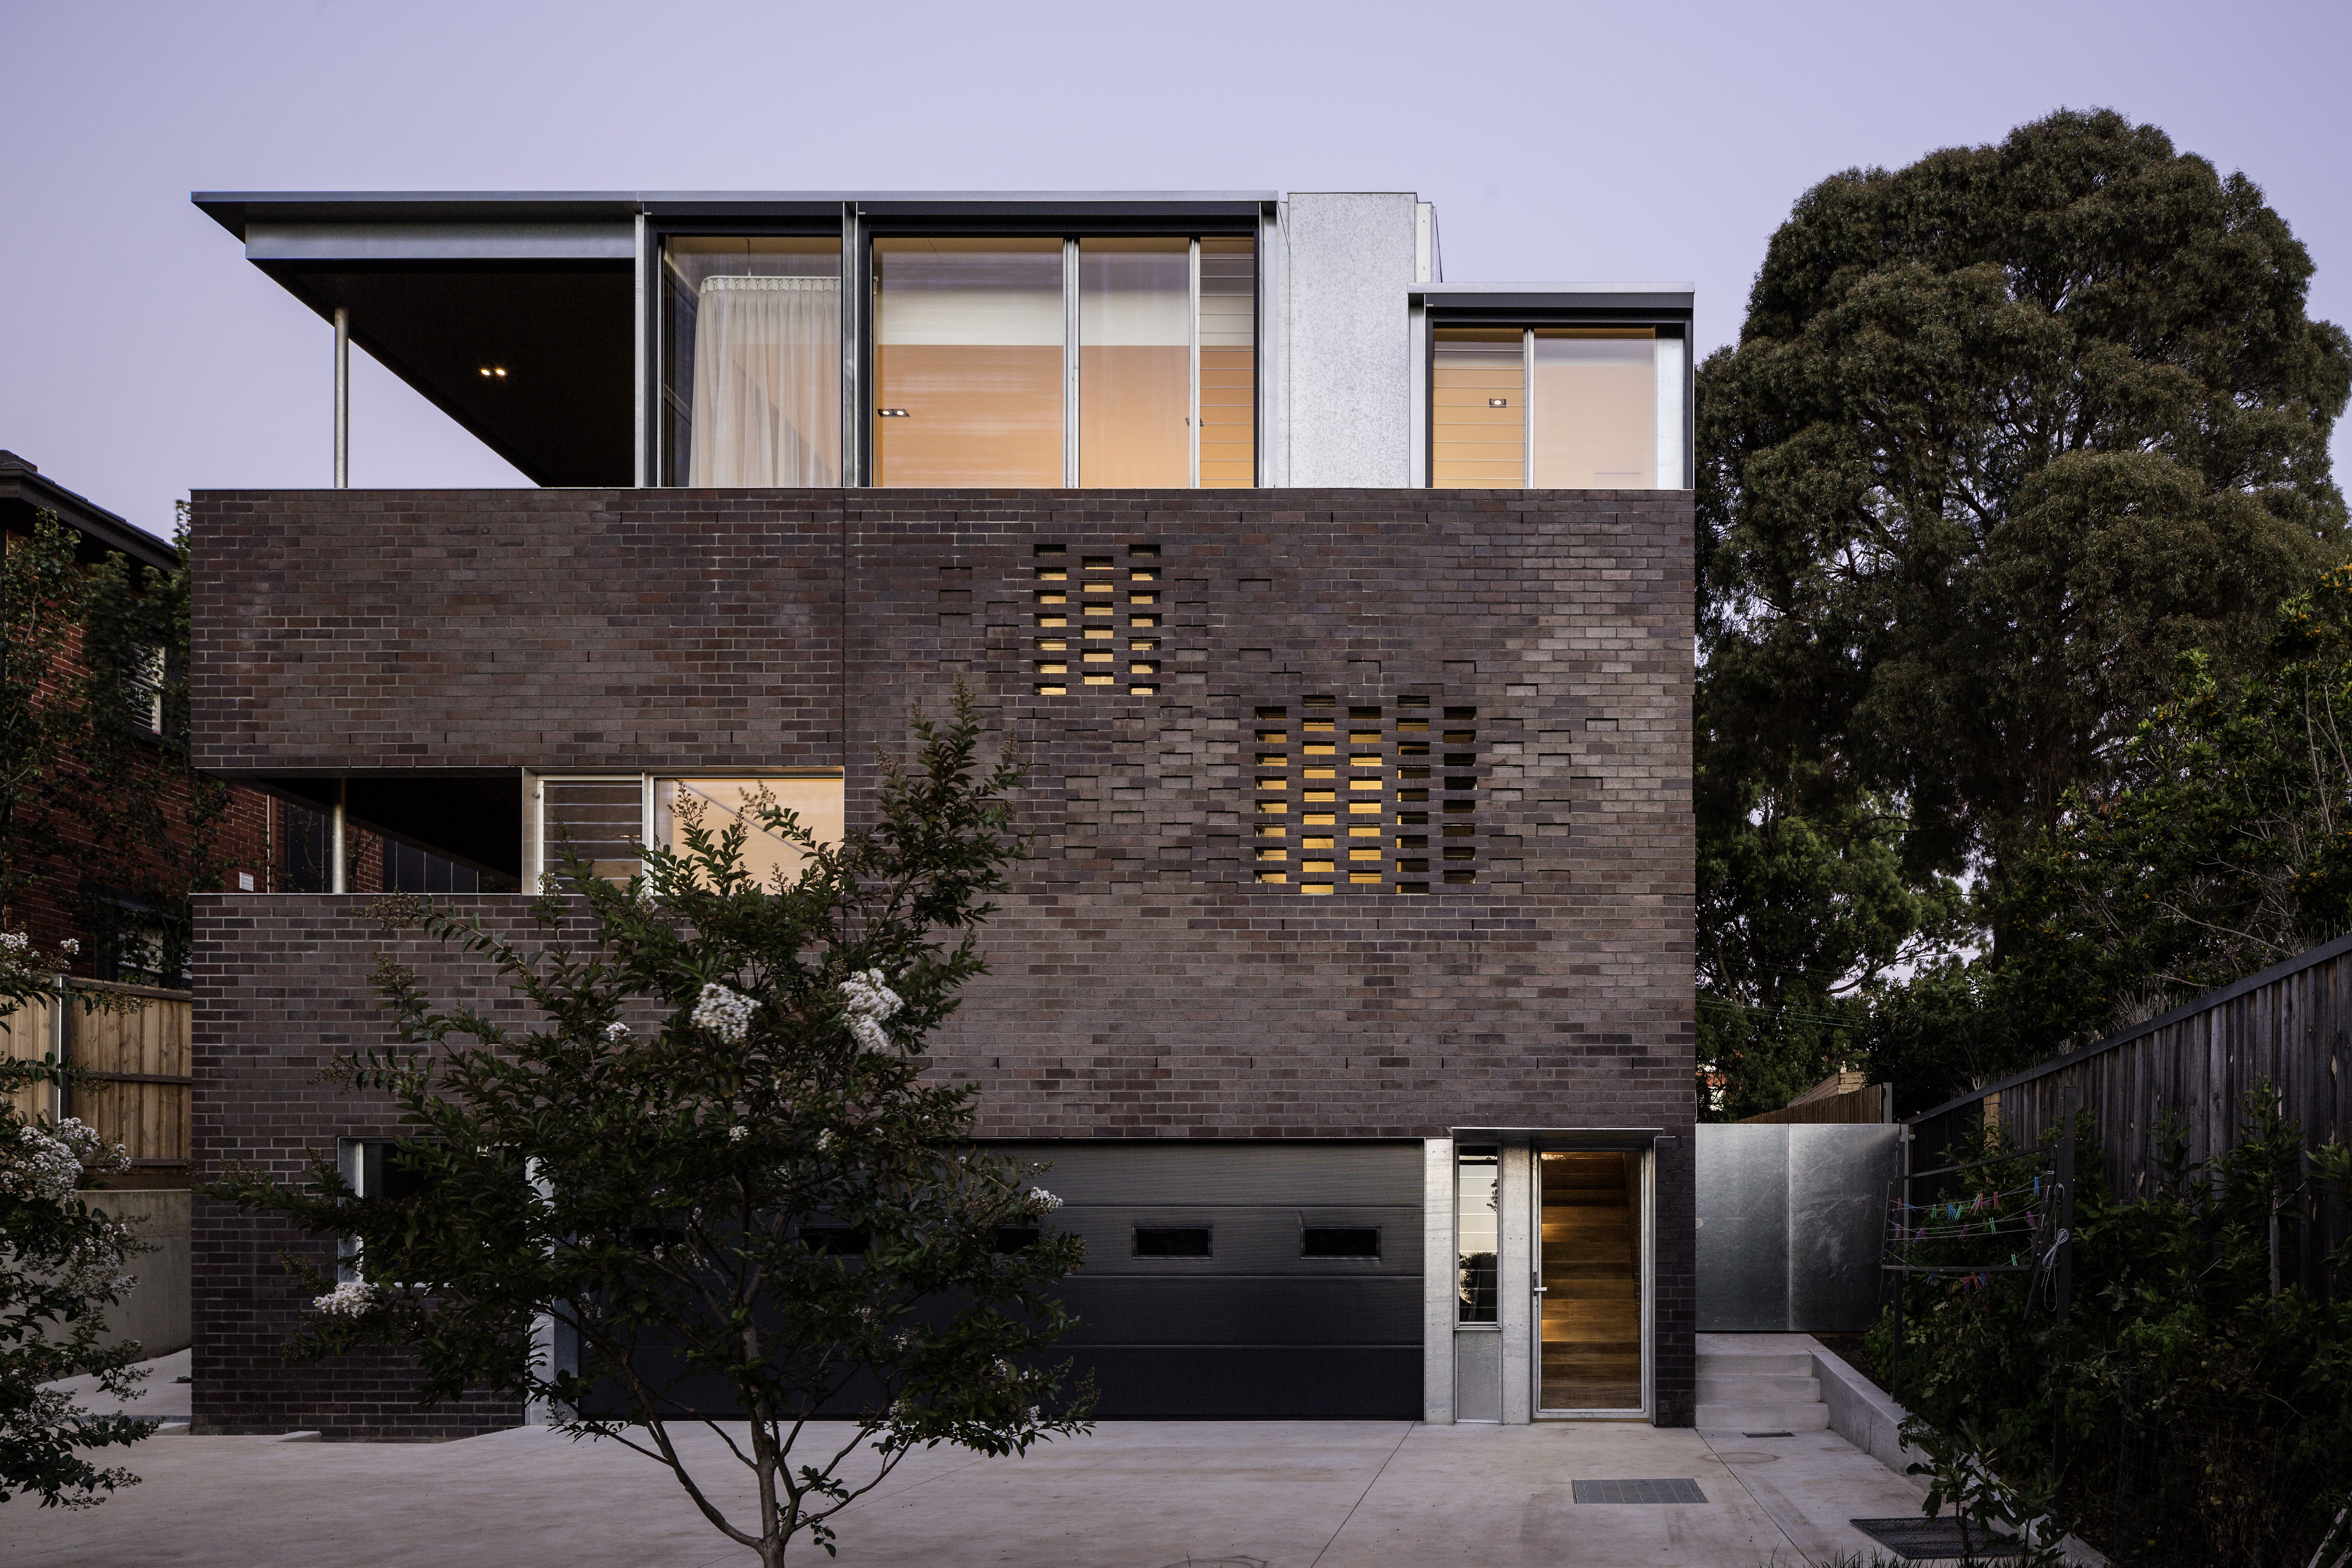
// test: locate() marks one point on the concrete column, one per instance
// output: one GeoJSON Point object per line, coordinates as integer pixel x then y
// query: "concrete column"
{"type": "Point", "coordinates": [1438, 1286]}
{"type": "Point", "coordinates": [1515, 1279]}
{"type": "Point", "coordinates": [1350, 259]}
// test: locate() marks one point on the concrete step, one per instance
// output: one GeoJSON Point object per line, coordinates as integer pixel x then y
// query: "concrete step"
{"type": "Point", "coordinates": [1717, 1363]}
{"type": "Point", "coordinates": [1791, 1417]}
{"type": "Point", "coordinates": [1758, 1390]}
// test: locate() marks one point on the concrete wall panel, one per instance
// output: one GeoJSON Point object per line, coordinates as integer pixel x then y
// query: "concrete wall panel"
{"type": "Point", "coordinates": [1350, 259]}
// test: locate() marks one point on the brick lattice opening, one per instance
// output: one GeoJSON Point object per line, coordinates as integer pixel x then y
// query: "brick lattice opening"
{"type": "Point", "coordinates": [1097, 621]}
{"type": "Point", "coordinates": [1344, 792]}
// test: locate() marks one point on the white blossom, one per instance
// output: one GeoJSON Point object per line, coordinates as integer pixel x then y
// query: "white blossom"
{"type": "Point", "coordinates": [70, 947]}
{"type": "Point", "coordinates": [348, 1299]}
{"type": "Point", "coordinates": [825, 1140]}
{"type": "Point", "coordinates": [872, 1004]}
{"type": "Point", "coordinates": [737, 1133]}
{"type": "Point", "coordinates": [724, 1013]}
{"type": "Point", "coordinates": [14, 943]}
{"type": "Point", "coordinates": [1041, 1201]}
{"type": "Point", "coordinates": [617, 1031]}
{"type": "Point", "coordinates": [46, 1164]}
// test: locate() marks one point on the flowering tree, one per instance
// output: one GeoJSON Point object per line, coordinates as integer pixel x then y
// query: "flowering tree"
{"type": "Point", "coordinates": [712, 1164]}
{"type": "Point", "coordinates": [61, 1264]}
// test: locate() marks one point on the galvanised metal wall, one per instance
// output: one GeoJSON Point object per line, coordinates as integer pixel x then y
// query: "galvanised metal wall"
{"type": "Point", "coordinates": [1790, 1220]}
{"type": "Point", "coordinates": [1254, 1329]}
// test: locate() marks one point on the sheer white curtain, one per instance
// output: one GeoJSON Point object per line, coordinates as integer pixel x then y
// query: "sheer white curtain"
{"type": "Point", "coordinates": [767, 383]}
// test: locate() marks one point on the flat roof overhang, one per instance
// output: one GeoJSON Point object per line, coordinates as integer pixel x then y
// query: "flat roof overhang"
{"type": "Point", "coordinates": [442, 286]}
{"type": "Point", "coordinates": [1500, 303]}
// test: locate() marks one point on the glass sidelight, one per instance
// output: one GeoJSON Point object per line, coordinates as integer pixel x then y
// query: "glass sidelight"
{"type": "Point", "coordinates": [1478, 1329]}
{"type": "Point", "coordinates": [1590, 1280]}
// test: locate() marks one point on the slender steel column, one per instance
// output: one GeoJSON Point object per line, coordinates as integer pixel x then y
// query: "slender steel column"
{"type": "Point", "coordinates": [337, 882]}
{"type": "Point", "coordinates": [343, 403]}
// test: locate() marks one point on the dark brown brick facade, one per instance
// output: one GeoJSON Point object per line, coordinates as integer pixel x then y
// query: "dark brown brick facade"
{"type": "Point", "coordinates": [1143, 985]}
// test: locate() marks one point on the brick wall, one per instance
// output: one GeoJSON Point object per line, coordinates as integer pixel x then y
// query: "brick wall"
{"type": "Point", "coordinates": [1143, 985]}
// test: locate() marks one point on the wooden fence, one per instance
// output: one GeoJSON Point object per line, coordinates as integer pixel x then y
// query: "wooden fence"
{"type": "Point", "coordinates": [132, 1042]}
{"type": "Point", "coordinates": [2203, 1065]}
{"type": "Point", "coordinates": [1870, 1103]}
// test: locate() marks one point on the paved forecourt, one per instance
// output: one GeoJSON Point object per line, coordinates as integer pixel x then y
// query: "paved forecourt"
{"type": "Point", "coordinates": [1323, 1494]}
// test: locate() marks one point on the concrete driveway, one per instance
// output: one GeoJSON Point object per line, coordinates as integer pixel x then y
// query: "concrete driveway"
{"type": "Point", "coordinates": [1280, 1494]}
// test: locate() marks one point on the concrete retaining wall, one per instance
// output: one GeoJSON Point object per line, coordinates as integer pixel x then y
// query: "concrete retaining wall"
{"type": "Point", "coordinates": [156, 1312]}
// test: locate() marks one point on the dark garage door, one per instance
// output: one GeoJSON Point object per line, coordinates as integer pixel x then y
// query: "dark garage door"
{"type": "Point", "coordinates": [1307, 1299]}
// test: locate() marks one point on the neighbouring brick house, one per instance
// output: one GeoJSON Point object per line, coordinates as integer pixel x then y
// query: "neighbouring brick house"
{"type": "Point", "coordinates": [110, 899]}
{"type": "Point", "coordinates": [1343, 616]}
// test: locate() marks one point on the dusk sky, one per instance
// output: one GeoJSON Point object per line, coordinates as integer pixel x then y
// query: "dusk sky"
{"type": "Point", "coordinates": [145, 358]}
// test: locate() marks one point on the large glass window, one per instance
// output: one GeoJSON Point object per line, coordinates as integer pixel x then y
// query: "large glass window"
{"type": "Point", "coordinates": [752, 378]}
{"type": "Point", "coordinates": [1555, 408]}
{"type": "Point", "coordinates": [1029, 362]}
{"type": "Point", "coordinates": [721, 803]}
{"type": "Point", "coordinates": [967, 361]}
{"type": "Point", "coordinates": [1595, 401]}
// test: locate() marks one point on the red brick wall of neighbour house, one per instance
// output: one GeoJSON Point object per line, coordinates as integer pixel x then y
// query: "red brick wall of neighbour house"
{"type": "Point", "coordinates": [1143, 985]}
{"type": "Point", "coordinates": [42, 901]}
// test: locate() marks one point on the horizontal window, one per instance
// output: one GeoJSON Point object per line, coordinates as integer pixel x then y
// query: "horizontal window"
{"type": "Point", "coordinates": [1340, 1241]}
{"type": "Point", "coordinates": [607, 819]}
{"type": "Point", "coordinates": [1172, 1241]}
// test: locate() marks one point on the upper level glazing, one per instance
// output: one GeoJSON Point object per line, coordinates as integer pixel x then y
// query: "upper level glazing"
{"type": "Point", "coordinates": [1016, 342]}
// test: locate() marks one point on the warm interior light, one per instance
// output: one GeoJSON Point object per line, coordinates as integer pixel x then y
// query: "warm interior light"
{"type": "Point", "coordinates": [891, 412]}
{"type": "Point", "coordinates": [501, 369]}
{"type": "Point", "coordinates": [486, 370]}
{"type": "Point", "coordinates": [1491, 403]}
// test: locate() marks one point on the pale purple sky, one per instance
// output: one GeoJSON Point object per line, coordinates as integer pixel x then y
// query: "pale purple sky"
{"type": "Point", "coordinates": [143, 357]}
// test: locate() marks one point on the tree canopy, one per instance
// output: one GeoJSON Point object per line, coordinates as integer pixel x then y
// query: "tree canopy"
{"type": "Point", "coordinates": [2005, 433]}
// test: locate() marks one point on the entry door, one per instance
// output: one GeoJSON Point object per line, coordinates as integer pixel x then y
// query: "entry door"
{"type": "Point", "coordinates": [1592, 1350]}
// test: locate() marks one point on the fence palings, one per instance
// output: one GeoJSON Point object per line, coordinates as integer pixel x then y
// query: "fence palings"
{"type": "Point", "coordinates": [2200, 1065]}
{"type": "Point", "coordinates": [133, 1046]}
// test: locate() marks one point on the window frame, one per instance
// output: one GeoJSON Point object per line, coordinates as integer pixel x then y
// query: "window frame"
{"type": "Point", "coordinates": [1666, 312]}
{"type": "Point", "coordinates": [535, 780]}
{"type": "Point", "coordinates": [859, 224]}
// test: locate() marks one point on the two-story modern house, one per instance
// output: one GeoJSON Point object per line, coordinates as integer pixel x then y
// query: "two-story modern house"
{"type": "Point", "coordinates": [1343, 614]}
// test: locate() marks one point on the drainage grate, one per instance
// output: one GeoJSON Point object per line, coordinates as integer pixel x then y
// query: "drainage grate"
{"type": "Point", "coordinates": [1768, 1434]}
{"type": "Point", "coordinates": [1918, 1540]}
{"type": "Point", "coordinates": [1679, 1490]}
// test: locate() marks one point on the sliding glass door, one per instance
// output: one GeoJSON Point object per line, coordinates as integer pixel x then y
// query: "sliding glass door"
{"type": "Point", "coordinates": [1135, 364]}
{"type": "Point", "coordinates": [969, 339]}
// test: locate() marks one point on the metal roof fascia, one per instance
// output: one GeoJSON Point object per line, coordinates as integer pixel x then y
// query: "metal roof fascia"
{"type": "Point", "coordinates": [233, 210]}
{"type": "Point", "coordinates": [273, 241]}
{"type": "Point", "coordinates": [1555, 295]}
